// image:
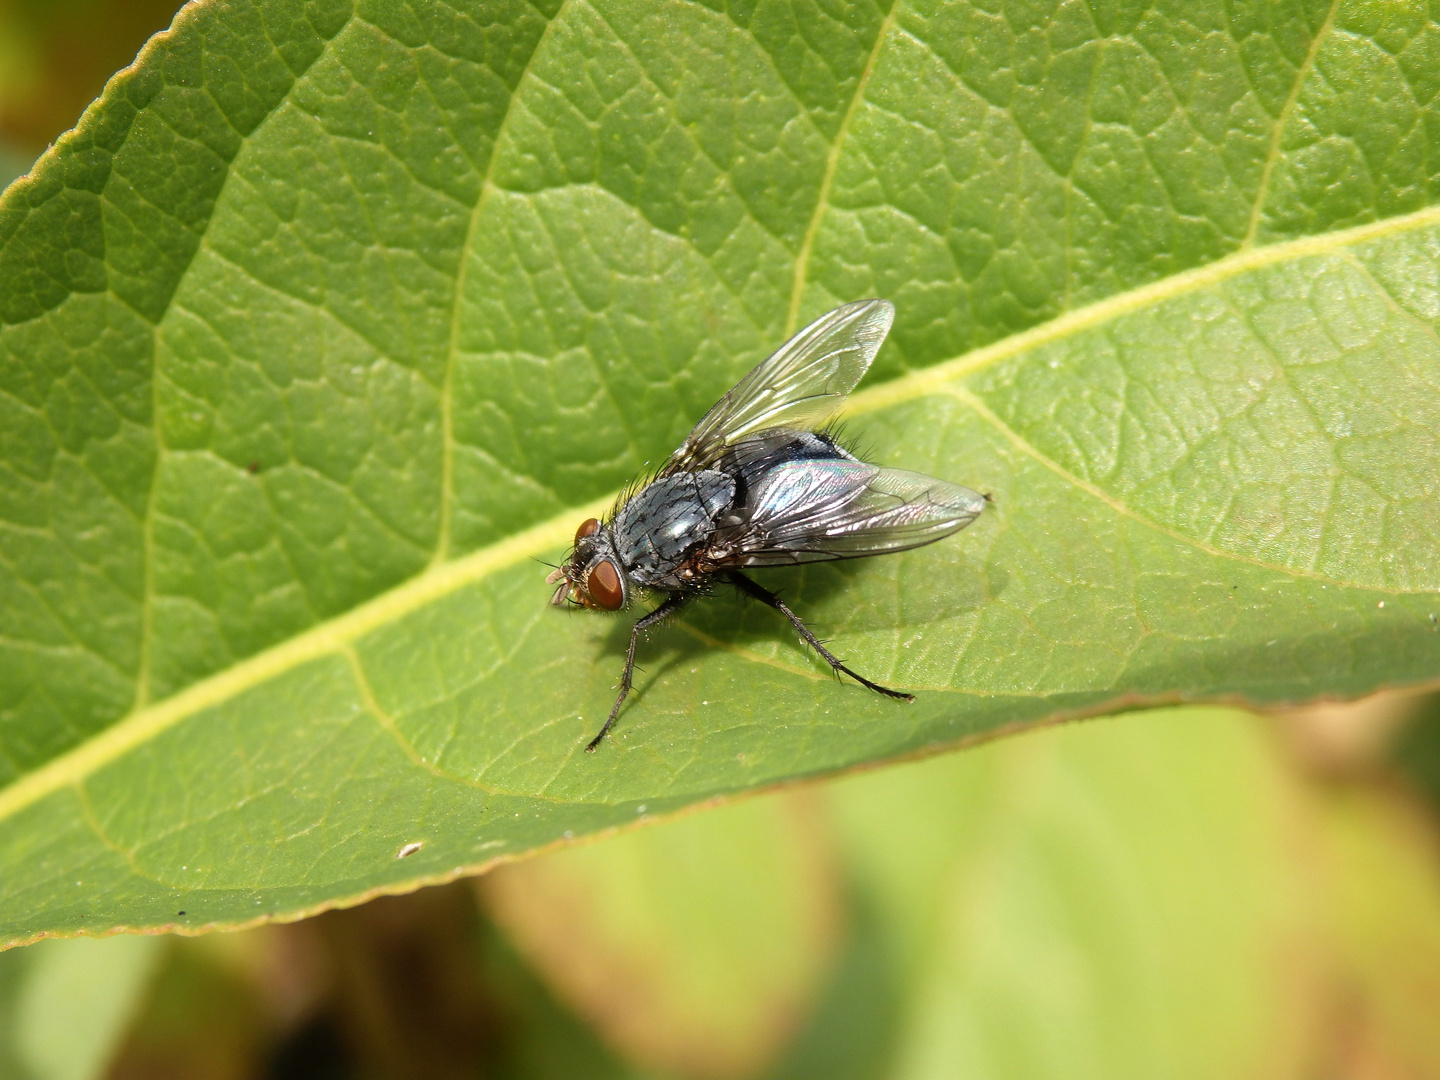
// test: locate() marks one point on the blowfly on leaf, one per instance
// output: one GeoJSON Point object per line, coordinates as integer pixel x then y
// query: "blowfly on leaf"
{"type": "Point", "coordinates": [761, 481]}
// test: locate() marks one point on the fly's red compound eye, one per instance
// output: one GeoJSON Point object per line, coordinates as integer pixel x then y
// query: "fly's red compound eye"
{"type": "Point", "coordinates": [588, 527]}
{"type": "Point", "coordinates": [603, 585]}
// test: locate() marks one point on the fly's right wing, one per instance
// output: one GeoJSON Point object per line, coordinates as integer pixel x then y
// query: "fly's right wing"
{"type": "Point", "coordinates": [800, 387]}
{"type": "Point", "coordinates": [832, 508]}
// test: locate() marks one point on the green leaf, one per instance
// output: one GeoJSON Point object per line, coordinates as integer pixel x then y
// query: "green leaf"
{"type": "Point", "coordinates": [330, 318]}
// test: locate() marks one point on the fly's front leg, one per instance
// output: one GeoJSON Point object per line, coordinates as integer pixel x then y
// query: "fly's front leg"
{"type": "Point", "coordinates": [765, 596]}
{"type": "Point", "coordinates": [664, 611]}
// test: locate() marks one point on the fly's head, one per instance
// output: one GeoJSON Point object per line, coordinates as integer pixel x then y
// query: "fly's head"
{"type": "Point", "coordinates": [592, 575]}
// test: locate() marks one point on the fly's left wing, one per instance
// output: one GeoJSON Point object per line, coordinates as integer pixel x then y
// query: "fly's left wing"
{"type": "Point", "coordinates": [800, 387]}
{"type": "Point", "coordinates": [834, 508]}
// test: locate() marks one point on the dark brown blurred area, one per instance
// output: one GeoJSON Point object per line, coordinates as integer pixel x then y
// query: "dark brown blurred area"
{"type": "Point", "coordinates": [394, 989]}
{"type": "Point", "coordinates": [56, 55]}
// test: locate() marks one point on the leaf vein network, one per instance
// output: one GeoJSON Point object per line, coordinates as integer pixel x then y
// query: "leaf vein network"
{"type": "Point", "coordinates": [87, 813]}
{"type": "Point", "coordinates": [447, 387]}
{"type": "Point", "coordinates": [832, 161]}
{"type": "Point", "coordinates": [1026, 447]}
{"type": "Point", "coordinates": [1277, 133]}
{"type": "Point", "coordinates": [321, 305]}
{"type": "Point", "coordinates": [143, 724]}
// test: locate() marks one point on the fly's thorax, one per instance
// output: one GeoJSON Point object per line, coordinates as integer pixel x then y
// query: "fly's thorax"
{"type": "Point", "coordinates": [658, 530]}
{"type": "Point", "coordinates": [594, 575]}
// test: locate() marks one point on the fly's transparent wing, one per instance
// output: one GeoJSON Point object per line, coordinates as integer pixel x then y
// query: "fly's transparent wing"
{"type": "Point", "coordinates": [800, 387]}
{"type": "Point", "coordinates": [830, 508]}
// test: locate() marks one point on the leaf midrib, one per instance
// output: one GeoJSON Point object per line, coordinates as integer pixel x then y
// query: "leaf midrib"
{"type": "Point", "coordinates": [332, 637]}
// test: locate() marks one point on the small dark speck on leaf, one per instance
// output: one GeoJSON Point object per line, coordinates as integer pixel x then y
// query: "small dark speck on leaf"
{"type": "Point", "coordinates": [179, 913]}
{"type": "Point", "coordinates": [253, 468]}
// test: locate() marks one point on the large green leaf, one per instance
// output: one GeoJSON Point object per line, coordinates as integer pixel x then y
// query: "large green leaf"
{"type": "Point", "coordinates": [329, 318]}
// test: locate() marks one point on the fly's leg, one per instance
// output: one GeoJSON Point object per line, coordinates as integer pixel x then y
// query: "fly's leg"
{"type": "Point", "coordinates": [664, 611]}
{"type": "Point", "coordinates": [765, 596]}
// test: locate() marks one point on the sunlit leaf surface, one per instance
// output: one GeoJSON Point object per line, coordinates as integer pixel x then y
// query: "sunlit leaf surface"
{"type": "Point", "coordinates": [331, 318]}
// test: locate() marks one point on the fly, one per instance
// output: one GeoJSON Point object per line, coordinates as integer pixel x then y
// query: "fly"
{"type": "Point", "coordinates": [762, 481]}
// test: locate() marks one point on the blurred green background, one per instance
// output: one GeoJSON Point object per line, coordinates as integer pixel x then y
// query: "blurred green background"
{"type": "Point", "coordinates": [1188, 894]}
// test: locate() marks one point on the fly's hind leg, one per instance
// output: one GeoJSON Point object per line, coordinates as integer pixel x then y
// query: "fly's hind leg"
{"type": "Point", "coordinates": [765, 596]}
{"type": "Point", "coordinates": [664, 611]}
